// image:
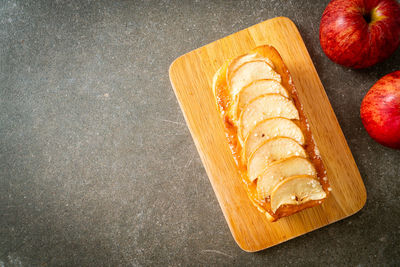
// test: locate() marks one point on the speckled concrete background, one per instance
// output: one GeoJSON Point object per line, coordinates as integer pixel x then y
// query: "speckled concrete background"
{"type": "Point", "coordinates": [97, 166]}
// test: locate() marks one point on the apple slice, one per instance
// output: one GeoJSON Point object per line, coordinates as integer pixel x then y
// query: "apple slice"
{"type": "Point", "coordinates": [268, 129]}
{"type": "Point", "coordinates": [249, 72]}
{"type": "Point", "coordinates": [219, 77]}
{"type": "Point", "coordinates": [264, 107]}
{"type": "Point", "coordinates": [272, 150]}
{"type": "Point", "coordinates": [296, 190]}
{"type": "Point", "coordinates": [254, 90]}
{"type": "Point", "coordinates": [280, 170]}
{"type": "Point", "coordinates": [237, 62]}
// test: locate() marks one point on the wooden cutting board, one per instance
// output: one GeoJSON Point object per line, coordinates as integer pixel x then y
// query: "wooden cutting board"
{"type": "Point", "coordinates": [191, 77]}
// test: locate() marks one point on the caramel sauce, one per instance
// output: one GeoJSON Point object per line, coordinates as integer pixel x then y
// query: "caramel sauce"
{"type": "Point", "coordinates": [224, 101]}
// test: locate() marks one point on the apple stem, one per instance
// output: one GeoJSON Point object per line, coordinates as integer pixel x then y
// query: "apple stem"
{"type": "Point", "coordinates": [367, 17]}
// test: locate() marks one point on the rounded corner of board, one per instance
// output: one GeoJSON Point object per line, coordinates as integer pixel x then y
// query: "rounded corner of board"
{"type": "Point", "coordinates": [283, 19]}
{"type": "Point", "coordinates": [363, 200]}
{"type": "Point", "coordinates": [360, 206]}
{"type": "Point", "coordinates": [172, 65]}
{"type": "Point", "coordinates": [248, 249]}
{"type": "Point", "coordinates": [243, 245]}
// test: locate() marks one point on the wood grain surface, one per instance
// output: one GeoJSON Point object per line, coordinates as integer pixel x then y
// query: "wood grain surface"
{"type": "Point", "coordinates": [191, 77]}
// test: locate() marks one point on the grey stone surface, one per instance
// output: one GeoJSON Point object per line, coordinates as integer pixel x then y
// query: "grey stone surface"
{"type": "Point", "coordinates": [97, 166]}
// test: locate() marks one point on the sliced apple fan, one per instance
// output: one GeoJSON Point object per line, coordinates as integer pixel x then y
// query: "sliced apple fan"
{"type": "Point", "coordinates": [272, 142]}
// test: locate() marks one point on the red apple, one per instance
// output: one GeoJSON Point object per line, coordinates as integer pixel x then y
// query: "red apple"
{"type": "Point", "coordinates": [360, 33]}
{"type": "Point", "coordinates": [380, 110]}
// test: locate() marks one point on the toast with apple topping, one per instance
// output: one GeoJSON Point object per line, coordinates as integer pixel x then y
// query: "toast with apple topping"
{"type": "Point", "coordinates": [268, 134]}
